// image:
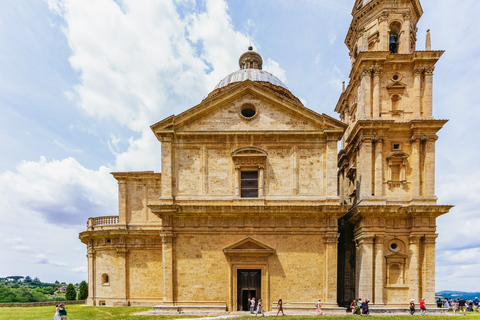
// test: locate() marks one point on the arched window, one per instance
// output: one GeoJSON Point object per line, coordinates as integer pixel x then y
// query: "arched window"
{"type": "Point", "coordinates": [105, 279]}
{"type": "Point", "coordinates": [394, 36]}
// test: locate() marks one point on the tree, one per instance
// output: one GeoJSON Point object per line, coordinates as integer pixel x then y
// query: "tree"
{"type": "Point", "coordinates": [36, 279]}
{"type": "Point", "coordinates": [83, 291]}
{"type": "Point", "coordinates": [27, 279]}
{"type": "Point", "coordinates": [56, 281]}
{"type": "Point", "coordinates": [15, 278]}
{"type": "Point", "coordinates": [70, 294]}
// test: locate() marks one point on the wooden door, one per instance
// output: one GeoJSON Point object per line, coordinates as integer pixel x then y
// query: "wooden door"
{"type": "Point", "coordinates": [249, 283]}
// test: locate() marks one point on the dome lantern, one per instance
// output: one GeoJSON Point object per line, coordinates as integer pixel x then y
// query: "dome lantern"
{"type": "Point", "coordinates": [250, 60]}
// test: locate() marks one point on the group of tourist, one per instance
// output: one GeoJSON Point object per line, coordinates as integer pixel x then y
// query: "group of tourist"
{"type": "Point", "coordinates": [259, 307]}
{"type": "Point", "coordinates": [461, 305]}
{"type": "Point", "coordinates": [360, 307]}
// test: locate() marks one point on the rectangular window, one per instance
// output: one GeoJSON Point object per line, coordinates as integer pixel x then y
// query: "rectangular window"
{"type": "Point", "coordinates": [249, 184]}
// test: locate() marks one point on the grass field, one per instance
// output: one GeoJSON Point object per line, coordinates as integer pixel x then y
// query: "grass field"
{"type": "Point", "coordinates": [77, 312]}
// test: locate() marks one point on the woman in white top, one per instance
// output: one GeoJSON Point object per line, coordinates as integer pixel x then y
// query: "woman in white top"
{"type": "Point", "coordinates": [56, 316]}
{"type": "Point", "coordinates": [446, 304]}
{"type": "Point", "coordinates": [454, 306]}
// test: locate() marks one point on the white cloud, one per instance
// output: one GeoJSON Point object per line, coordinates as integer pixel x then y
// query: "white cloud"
{"type": "Point", "coordinates": [82, 269]}
{"type": "Point", "coordinates": [274, 68]}
{"type": "Point", "coordinates": [61, 192]}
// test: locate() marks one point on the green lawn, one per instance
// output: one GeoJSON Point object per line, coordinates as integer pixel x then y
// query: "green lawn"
{"type": "Point", "coordinates": [77, 312]}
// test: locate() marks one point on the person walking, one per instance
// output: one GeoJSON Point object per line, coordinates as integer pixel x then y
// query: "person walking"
{"type": "Point", "coordinates": [461, 306]}
{"type": "Point", "coordinates": [423, 309]}
{"type": "Point", "coordinates": [439, 303]}
{"type": "Point", "coordinates": [412, 307]}
{"type": "Point", "coordinates": [365, 307]}
{"type": "Point", "coordinates": [56, 316]}
{"type": "Point", "coordinates": [319, 307]}
{"type": "Point", "coordinates": [454, 306]}
{"type": "Point", "coordinates": [62, 312]}
{"type": "Point", "coordinates": [352, 306]}
{"type": "Point", "coordinates": [252, 305]}
{"type": "Point", "coordinates": [446, 304]}
{"type": "Point", "coordinates": [280, 307]}
{"type": "Point", "coordinates": [259, 308]}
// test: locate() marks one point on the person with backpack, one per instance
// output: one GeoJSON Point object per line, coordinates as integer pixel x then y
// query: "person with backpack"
{"type": "Point", "coordinates": [62, 312]}
{"type": "Point", "coordinates": [412, 307]}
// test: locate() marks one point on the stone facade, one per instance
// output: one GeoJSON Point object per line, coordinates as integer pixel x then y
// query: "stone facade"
{"type": "Point", "coordinates": [255, 200]}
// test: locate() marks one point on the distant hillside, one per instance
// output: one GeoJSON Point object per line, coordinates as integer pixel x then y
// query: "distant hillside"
{"type": "Point", "coordinates": [457, 294]}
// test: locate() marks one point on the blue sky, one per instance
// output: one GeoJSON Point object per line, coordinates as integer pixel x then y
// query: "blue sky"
{"type": "Point", "coordinates": [81, 81]}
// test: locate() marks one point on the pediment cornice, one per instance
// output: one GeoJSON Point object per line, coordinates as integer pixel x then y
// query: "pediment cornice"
{"type": "Point", "coordinates": [248, 247]}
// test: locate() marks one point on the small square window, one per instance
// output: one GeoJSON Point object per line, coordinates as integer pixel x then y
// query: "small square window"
{"type": "Point", "coordinates": [108, 240]}
{"type": "Point", "coordinates": [396, 146]}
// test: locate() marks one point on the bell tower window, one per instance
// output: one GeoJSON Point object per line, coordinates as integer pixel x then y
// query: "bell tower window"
{"type": "Point", "coordinates": [394, 37]}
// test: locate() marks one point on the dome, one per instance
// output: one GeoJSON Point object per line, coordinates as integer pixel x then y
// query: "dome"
{"type": "Point", "coordinates": [250, 64]}
{"type": "Point", "coordinates": [250, 74]}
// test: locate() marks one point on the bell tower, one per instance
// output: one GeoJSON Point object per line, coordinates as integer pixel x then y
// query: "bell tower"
{"type": "Point", "coordinates": [387, 158]}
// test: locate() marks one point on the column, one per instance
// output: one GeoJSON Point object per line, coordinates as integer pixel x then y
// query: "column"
{"type": "Point", "coordinates": [295, 169]}
{"type": "Point", "coordinates": [417, 96]}
{"type": "Point", "coordinates": [167, 263]}
{"type": "Point", "coordinates": [122, 267]}
{"type": "Point", "coordinates": [365, 170]}
{"type": "Point", "coordinates": [331, 241]}
{"type": "Point", "coordinates": [413, 268]}
{"type": "Point", "coordinates": [365, 256]}
{"type": "Point", "coordinates": [261, 181]}
{"type": "Point", "coordinates": [376, 92]}
{"type": "Point", "coordinates": [428, 93]}
{"type": "Point", "coordinates": [331, 169]}
{"type": "Point", "coordinates": [415, 165]}
{"type": "Point", "coordinates": [167, 170]}
{"type": "Point", "coordinates": [405, 43]}
{"type": "Point", "coordinates": [204, 169]}
{"type": "Point", "coordinates": [237, 181]}
{"type": "Point", "coordinates": [379, 271]}
{"type": "Point", "coordinates": [379, 168]}
{"type": "Point", "coordinates": [430, 166]}
{"type": "Point", "coordinates": [91, 276]}
{"type": "Point", "coordinates": [366, 84]}
{"type": "Point", "coordinates": [384, 34]}
{"type": "Point", "coordinates": [122, 201]}
{"type": "Point", "coordinates": [429, 270]}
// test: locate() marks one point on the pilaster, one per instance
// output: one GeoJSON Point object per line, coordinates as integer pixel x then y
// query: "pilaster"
{"type": "Point", "coordinates": [364, 288]}
{"type": "Point", "coordinates": [379, 275]}
{"type": "Point", "coordinates": [91, 277]}
{"type": "Point", "coordinates": [415, 165]}
{"type": "Point", "coordinates": [379, 168]}
{"type": "Point", "coordinates": [428, 270]}
{"type": "Point", "coordinates": [428, 93]}
{"type": "Point", "coordinates": [331, 252]}
{"type": "Point", "coordinates": [122, 267]}
{"type": "Point", "coordinates": [414, 268]}
{"type": "Point", "coordinates": [430, 166]}
{"type": "Point", "coordinates": [376, 92]}
{"type": "Point", "coordinates": [331, 168]}
{"type": "Point", "coordinates": [167, 170]}
{"type": "Point", "coordinates": [365, 170]}
{"type": "Point", "coordinates": [168, 265]}
{"type": "Point", "coordinates": [417, 94]}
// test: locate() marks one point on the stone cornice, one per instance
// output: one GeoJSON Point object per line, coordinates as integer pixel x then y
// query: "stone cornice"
{"type": "Point", "coordinates": [387, 211]}
{"type": "Point", "coordinates": [136, 175]}
{"type": "Point", "coordinates": [118, 233]}
{"type": "Point", "coordinates": [248, 210]}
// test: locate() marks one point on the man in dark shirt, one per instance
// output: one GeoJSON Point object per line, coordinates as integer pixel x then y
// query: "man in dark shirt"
{"type": "Point", "coordinates": [461, 306]}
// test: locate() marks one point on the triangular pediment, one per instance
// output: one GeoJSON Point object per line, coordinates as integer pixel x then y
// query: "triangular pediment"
{"type": "Point", "coordinates": [272, 112]}
{"type": "Point", "coordinates": [248, 247]}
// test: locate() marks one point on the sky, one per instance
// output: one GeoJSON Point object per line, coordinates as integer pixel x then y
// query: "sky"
{"type": "Point", "coordinates": [81, 81]}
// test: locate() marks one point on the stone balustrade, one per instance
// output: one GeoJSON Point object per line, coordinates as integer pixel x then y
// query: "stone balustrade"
{"type": "Point", "coordinates": [102, 221]}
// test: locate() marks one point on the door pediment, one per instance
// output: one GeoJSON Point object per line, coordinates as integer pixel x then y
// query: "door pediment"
{"type": "Point", "coordinates": [248, 247]}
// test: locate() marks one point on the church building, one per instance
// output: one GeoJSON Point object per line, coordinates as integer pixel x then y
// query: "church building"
{"type": "Point", "coordinates": [259, 196]}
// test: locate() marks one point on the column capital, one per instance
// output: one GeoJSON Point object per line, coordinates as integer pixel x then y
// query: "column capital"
{"type": "Point", "coordinates": [331, 238]}
{"type": "Point", "coordinates": [414, 239]}
{"type": "Point", "coordinates": [167, 237]}
{"type": "Point", "coordinates": [122, 252]}
{"type": "Point", "coordinates": [407, 15]}
{"type": "Point", "coordinates": [417, 71]}
{"type": "Point", "coordinates": [366, 71]}
{"type": "Point", "coordinates": [364, 239]}
{"type": "Point", "coordinates": [383, 16]}
{"type": "Point", "coordinates": [380, 238]}
{"type": "Point", "coordinates": [377, 70]}
{"type": "Point", "coordinates": [429, 70]}
{"type": "Point", "coordinates": [430, 238]}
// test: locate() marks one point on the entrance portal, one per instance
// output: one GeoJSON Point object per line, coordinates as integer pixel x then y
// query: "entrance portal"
{"type": "Point", "coordinates": [248, 287]}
